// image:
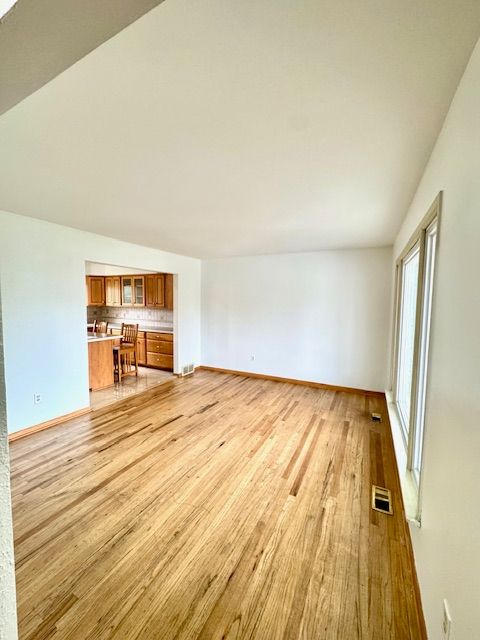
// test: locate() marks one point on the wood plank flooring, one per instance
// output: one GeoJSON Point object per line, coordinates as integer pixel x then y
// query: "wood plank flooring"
{"type": "Point", "coordinates": [213, 507]}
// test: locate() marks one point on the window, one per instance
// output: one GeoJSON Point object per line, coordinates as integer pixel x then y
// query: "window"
{"type": "Point", "coordinates": [429, 271]}
{"type": "Point", "coordinates": [414, 297]}
{"type": "Point", "coordinates": [408, 315]}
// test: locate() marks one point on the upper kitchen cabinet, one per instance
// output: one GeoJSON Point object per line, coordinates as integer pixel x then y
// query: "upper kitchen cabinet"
{"type": "Point", "coordinates": [169, 291]}
{"type": "Point", "coordinates": [139, 291]}
{"type": "Point", "coordinates": [96, 291]}
{"type": "Point", "coordinates": [113, 287]}
{"type": "Point", "coordinates": [133, 291]}
{"type": "Point", "coordinates": [155, 290]}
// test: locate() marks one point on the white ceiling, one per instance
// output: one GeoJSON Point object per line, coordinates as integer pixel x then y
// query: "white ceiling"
{"type": "Point", "coordinates": [38, 40]}
{"type": "Point", "coordinates": [219, 127]}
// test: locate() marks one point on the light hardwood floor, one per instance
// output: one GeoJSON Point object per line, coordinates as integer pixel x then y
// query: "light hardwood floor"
{"type": "Point", "coordinates": [213, 507]}
{"type": "Point", "coordinates": [129, 386]}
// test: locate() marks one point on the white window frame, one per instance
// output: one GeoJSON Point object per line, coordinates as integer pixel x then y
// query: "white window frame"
{"type": "Point", "coordinates": [414, 433]}
{"type": "Point", "coordinates": [405, 421]}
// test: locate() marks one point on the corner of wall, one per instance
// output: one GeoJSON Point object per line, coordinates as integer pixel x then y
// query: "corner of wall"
{"type": "Point", "coordinates": [8, 614]}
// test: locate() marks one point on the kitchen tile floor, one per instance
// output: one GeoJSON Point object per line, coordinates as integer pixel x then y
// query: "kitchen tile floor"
{"type": "Point", "coordinates": [130, 386]}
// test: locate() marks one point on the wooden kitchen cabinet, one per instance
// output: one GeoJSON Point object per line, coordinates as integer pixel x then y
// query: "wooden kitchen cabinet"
{"type": "Point", "coordinates": [160, 346]}
{"type": "Point", "coordinates": [154, 335]}
{"type": "Point", "coordinates": [160, 350]}
{"type": "Point", "coordinates": [113, 291]}
{"type": "Point", "coordinates": [155, 290]}
{"type": "Point", "coordinates": [169, 291]}
{"type": "Point", "coordinates": [141, 348]}
{"type": "Point", "coordinates": [152, 290]}
{"type": "Point", "coordinates": [96, 291]}
{"type": "Point", "coordinates": [159, 361]}
{"type": "Point", "coordinates": [133, 291]}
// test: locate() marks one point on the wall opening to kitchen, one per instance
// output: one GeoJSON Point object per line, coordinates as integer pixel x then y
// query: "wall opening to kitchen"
{"type": "Point", "coordinates": [142, 302]}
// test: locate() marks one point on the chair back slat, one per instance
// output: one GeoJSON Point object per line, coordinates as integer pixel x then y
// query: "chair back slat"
{"type": "Point", "coordinates": [129, 333]}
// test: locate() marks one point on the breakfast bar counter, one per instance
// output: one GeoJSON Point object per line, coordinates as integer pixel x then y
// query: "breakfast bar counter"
{"type": "Point", "coordinates": [100, 360]}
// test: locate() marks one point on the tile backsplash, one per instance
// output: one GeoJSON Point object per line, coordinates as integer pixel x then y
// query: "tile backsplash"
{"type": "Point", "coordinates": [143, 316]}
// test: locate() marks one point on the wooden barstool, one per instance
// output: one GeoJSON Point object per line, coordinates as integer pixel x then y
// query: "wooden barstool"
{"type": "Point", "coordinates": [122, 355]}
{"type": "Point", "coordinates": [100, 327]}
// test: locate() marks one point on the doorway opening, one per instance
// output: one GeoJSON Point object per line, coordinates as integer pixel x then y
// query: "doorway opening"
{"type": "Point", "coordinates": [130, 317]}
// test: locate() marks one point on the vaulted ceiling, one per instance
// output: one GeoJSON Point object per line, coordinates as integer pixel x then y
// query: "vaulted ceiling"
{"type": "Point", "coordinates": [39, 40]}
{"type": "Point", "coordinates": [218, 127]}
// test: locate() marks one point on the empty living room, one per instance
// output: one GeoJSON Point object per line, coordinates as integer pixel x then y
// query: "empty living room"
{"type": "Point", "coordinates": [239, 320]}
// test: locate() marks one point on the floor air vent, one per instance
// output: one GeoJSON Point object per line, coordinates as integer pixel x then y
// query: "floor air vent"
{"type": "Point", "coordinates": [188, 369]}
{"type": "Point", "coordinates": [382, 500]}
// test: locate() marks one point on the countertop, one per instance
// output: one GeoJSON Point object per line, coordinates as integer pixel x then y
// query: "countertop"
{"type": "Point", "coordinates": [114, 325]}
{"type": "Point", "coordinates": [100, 337]}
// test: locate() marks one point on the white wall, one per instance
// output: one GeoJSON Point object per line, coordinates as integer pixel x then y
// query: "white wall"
{"type": "Point", "coordinates": [8, 614]}
{"type": "Point", "coordinates": [320, 316]}
{"type": "Point", "coordinates": [96, 269]}
{"type": "Point", "coordinates": [447, 547]}
{"type": "Point", "coordinates": [42, 276]}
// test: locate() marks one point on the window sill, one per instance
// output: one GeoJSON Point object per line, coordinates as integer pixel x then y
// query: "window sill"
{"type": "Point", "coordinates": [407, 479]}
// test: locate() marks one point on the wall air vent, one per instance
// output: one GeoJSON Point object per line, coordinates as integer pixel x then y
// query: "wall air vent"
{"type": "Point", "coordinates": [188, 369]}
{"type": "Point", "coordinates": [382, 500]}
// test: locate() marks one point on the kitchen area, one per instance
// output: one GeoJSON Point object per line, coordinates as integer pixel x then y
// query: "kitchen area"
{"type": "Point", "coordinates": [130, 331]}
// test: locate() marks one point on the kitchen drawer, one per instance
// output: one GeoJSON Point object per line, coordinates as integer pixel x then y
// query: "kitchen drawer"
{"type": "Point", "coordinates": [159, 360]}
{"type": "Point", "coordinates": [167, 337]}
{"type": "Point", "coordinates": [159, 346]}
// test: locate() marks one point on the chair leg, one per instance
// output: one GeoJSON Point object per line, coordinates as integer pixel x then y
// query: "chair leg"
{"type": "Point", "coordinates": [136, 362]}
{"type": "Point", "coordinates": [120, 367]}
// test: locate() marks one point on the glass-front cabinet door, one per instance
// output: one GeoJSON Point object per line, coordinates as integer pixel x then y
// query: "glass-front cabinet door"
{"type": "Point", "coordinates": [127, 290]}
{"type": "Point", "coordinates": [133, 291]}
{"type": "Point", "coordinates": [139, 291]}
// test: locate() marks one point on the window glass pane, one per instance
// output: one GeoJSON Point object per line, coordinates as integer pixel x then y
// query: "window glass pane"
{"type": "Point", "coordinates": [408, 309]}
{"type": "Point", "coordinates": [430, 252]}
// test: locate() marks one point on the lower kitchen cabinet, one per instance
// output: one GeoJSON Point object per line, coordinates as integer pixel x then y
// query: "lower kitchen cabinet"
{"type": "Point", "coordinates": [159, 361]}
{"type": "Point", "coordinates": [160, 350]}
{"type": "Point", "coordinates": [160, 346]}
{"type": "Point", "coordinates": [141, 348]}
{"type": "Point", "coordinates": [153, 349]}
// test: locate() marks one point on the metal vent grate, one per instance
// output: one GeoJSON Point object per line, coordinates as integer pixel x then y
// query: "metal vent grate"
{"type": "Point", "coordinates": [188, 369]}
{"type": "Point", "coordinates": [382, 500]}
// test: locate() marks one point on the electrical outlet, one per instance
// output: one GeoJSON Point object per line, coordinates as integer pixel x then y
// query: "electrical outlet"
{"type": "Point", "coordinates": [37, 398]}
{"type": "Point", "coordinates": [447, 621]}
